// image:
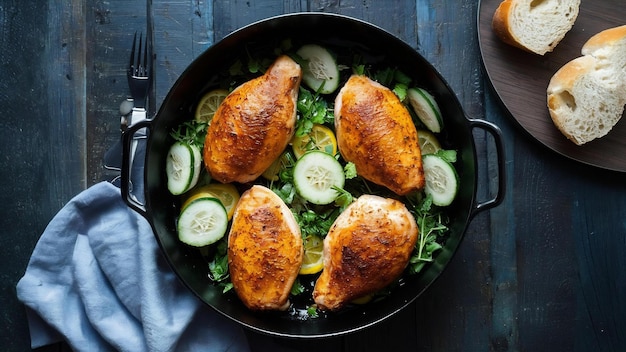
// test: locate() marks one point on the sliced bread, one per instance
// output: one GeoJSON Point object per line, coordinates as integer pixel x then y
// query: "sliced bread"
{"type": "Point", "coordinates": [536, 26]}
{"type": "Point", "coordinates": [586, 96]}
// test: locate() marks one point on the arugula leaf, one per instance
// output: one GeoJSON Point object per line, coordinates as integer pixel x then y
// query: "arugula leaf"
{"type": "Point", "coordinates": [358, 69]}
{"type": "Point", "coordinates": [385, 76]}
{"type": "Point", "coordinates": [431, 222]}
{"type": "Point", "coordinates": [316, 223]}
{"type": "Point", "coordinates": [401, 78]}
{"type": "Point", "coordinates": [287, 192]}
{"type": "Point", "coordinates": [218, 267]}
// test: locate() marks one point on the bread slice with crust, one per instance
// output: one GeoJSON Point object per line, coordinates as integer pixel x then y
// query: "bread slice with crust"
{"type": "Point", "coordinates": [586, 96]}
{"type": "Point", "coordinates": [536, 26]}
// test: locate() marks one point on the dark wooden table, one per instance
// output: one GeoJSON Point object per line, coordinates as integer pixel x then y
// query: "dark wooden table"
{"type": "Point", "coordinates": [545, 271]}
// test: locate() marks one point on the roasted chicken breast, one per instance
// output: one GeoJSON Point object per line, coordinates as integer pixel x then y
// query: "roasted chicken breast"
{"type": "Point", "coordinates": [254, 124]}
{"type": "Point", "coordinates": [367, 248]}
{"type": "Point", "coordinates": [264, 250]}
{"type": "Point", "coordinates": [375, 132]}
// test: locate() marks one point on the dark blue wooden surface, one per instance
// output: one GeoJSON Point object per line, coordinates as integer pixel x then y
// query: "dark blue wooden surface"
{"type": "Point", "coordinates": [545, 271]}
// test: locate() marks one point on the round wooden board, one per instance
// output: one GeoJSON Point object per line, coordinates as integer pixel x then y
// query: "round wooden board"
{"type": "Point", "coordinates": [520, 80]}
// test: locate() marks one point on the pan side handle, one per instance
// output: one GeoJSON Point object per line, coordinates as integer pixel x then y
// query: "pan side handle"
{"type": "Point", "coordinates": [132, 167]}
{"type": "Point", "coordinates": [497, 136]}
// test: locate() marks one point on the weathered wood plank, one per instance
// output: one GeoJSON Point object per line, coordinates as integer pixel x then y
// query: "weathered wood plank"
{"type": "Point", "coordinates": [504, 330]}
{"type": "Point", "coordinates": [182, 30]}
{"type": "Point", "coordinates": [110, 26]}
{"type": "Point", "coordinates": [43, 145]}
{"type": "Point", "coordinates": [235, 14]}
{"type": "Point", "coordinates": [459, 301]}
{"type": "Point", "coordinates": [599, 253]}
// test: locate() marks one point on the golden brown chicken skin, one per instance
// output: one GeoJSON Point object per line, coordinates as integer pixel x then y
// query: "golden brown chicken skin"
{"type": "Point", "coordinates": [375, 132]}
{"type": "Point", "coordinates": [254, 124]}
{"type": "Point", "coordinates": [265, 250]}
{"type": "Point", "coordinates": [366, 249]}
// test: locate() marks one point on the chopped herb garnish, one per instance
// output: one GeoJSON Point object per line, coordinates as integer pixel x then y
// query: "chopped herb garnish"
{"type": "Point", "coordinates": [191, 132]}
{"type": "Point", "coordinates": [297, 288]}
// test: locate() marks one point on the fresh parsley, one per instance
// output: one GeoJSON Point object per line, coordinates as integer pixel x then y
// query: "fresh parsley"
{"type": "Point", "coordinates": [312, 109]}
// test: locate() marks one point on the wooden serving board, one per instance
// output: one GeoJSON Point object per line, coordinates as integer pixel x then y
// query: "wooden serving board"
{"type": "Point", "coordinates": [520, 80]}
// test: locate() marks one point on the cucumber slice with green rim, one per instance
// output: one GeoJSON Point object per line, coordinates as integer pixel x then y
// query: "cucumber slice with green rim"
{"type": "Point", "coordinates": [426, 108]}
{"type": "Point", "coordinates": [314, 176]}
{"type": "Point", "coordinates": [320, 72]}
{"type": "Point", "coordinates": [182, 167]}
{"type": "Point", "coordinates": [202, 222]}
{"type": "Point", "coordinates": [442, 180]}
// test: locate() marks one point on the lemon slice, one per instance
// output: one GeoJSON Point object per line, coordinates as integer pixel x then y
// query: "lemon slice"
{"type": "Point", "coordinates": [227, 194]}
{"type": "Point", "coordinates": [313, 260]}
{"type": "Point", "coordinates": [197, 195]}
{"type": "Point", "coordinates": [428, 142]}
{"type": "Point", "coordinates": [208, 105]}
{"type": "Point", "coordinates": [320, 138]}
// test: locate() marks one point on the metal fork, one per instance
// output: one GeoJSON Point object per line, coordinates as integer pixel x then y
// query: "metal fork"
{"type": "Point", "coordinates": [139, 78]}
{"type": "Point", "coordinates": [139, 74]}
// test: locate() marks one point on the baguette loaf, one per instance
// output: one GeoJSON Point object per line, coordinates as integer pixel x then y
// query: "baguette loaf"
{"type": "Point", "coordinates": [586, 96]}
{"type": "Point", "coordinates": [536, 26]}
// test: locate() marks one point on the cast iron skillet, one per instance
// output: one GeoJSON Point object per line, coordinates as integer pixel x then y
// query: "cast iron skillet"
{"type": "Point", "coordinates": [161, 208]}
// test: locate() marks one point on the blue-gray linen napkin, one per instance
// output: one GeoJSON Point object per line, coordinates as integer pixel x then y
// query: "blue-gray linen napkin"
{"type": "Point", "coordinates": [98, 280]}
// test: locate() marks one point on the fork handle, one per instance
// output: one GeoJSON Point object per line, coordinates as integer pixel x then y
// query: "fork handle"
{"type": "Point", "coordinates": [138, 115]}
{"type": "Point", "coordinates": [129, 144]}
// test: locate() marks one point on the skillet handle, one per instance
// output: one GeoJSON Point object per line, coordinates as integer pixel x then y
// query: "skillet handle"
{"type": "Point", "coordinates": [497, 136]}
{"type": "Point", "coordinates": [135, 134]}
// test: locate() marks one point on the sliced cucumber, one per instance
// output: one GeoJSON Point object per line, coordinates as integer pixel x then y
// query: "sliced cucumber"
{"type": "Point", "coordinates": [442, 181]}
{"type": "Point", "coordinates": [314, 176]}
{"type": "Point", "coordinates": [426, 108]}
{"type": "Point", "coordinates": [320, 72]}
{"type": "Point", "coordinates": [182, 166]}
{"type": "Point", "coordinates": [202, 222]}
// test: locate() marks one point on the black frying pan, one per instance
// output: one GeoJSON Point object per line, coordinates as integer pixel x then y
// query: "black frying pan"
{"type": "Point", "coordinates": [161, 208]}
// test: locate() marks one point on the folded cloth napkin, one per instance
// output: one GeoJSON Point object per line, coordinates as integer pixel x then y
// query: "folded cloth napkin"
{"type": "Point", "coordinates": [98, 280]}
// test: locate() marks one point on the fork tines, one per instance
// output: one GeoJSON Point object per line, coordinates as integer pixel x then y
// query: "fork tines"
{"type": "Point", "coordinates": [137, 67]}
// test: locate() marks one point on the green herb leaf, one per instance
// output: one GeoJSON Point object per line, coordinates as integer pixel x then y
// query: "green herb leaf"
{"type": "Point", "coordinates": [350, 171]}
{"type": "Point", "coordinates": [218, 267]}
{"type": "Point", "coordinates": [191, 132]}
{"type": "Point", "coordinates": [311, 311]}
{"type": "Point", "coordinates": [344, 199]}
{"type": "Point", "coordinates": [226, 286]}
{"type": "Point", "coordinates": [312, 109]}
{"type": "Point", "coordinates": [314, 223]}
{"type": "Point", "coordinates": [431, 222]}
{"type": "Point", "coordinates": [286, 192]}
{"type": "Point", "coordinates": [402, 78]}
{"type": "Point", "coordinates": [297, 288]}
